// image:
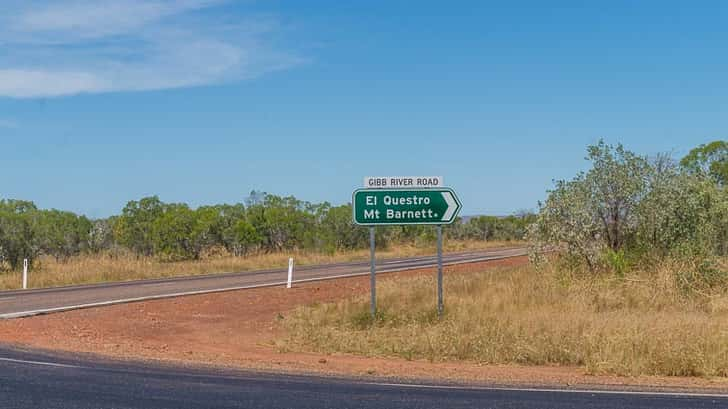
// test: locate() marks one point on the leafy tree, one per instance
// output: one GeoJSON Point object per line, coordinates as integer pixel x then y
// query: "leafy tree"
{"type": "Point", "coordinates": [172, 233]}
{"type": "Point", "coordinates": [597, 210]}
{"type": "Point", "coordinates": [568, 218]}
{"type": "Point", "coordinates": [627, 206]}
{"type": "Point", "coordinates": [244, 238]}
{"type": "Point", "coordinates": [17, 206]}
{"type": "Point", "coordinates": [133, 229]}
{"type": "Point", "coordinates": [615, 185]}
{"type": "Point", "coordinates": [62, 234]}
{"type": "Point", "coordinates": [101, 235]}
{"type": "Point", "coordinates": [281, 222]}
{"type": "Point", "coordinates": [18, 238]}
{"type": "Point", "coordinates": [710, 159]}
{"type": "Point", "coordinates": [339, 231]}
{"type": "Point", "coordinates": [230, 216]}
{"type": "Point", "coordinates": [498, 228]}
{"type": "Point", "coordinates": [207, 229]}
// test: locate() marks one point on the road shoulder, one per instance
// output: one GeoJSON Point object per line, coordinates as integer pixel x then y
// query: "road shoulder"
{"type": "Point", "coordinates": [238, 331]}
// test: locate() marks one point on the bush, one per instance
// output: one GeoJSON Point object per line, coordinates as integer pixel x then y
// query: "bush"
{"type": "Point", "coordinates": [628, 207]}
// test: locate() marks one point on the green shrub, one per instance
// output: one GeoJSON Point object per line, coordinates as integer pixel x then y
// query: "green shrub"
{"type": "Point", "coordinates": [630, 210]}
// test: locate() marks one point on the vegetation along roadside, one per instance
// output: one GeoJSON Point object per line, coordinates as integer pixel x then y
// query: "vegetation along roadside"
{"type": "Point", "coordinates": [152, 239]}
{"type": "Point", "coordinates": [640, 285]}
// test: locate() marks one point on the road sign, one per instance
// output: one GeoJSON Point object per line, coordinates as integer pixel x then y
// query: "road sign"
{"type": "Point", "coordinates": [403, 182]}
{"type": "Point", "coordinates": [374, 207]}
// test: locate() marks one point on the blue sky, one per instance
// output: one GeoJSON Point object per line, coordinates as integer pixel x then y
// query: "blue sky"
{"type": "Point", "coordinates": [197, 101]}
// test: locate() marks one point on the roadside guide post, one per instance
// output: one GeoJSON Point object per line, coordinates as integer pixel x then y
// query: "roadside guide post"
{"type": "Point", "coordinates": [407, 200]}
{"type": "Point", "coordinates": [25, 274]}
{"type": "Point", "coordinates": [290, 272]}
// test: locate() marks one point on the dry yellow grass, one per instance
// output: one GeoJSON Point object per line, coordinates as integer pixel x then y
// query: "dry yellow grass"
{"type": "Point", "coordinates": [87, 269]}
{"type": "Point", "coordinates": [643, 324]}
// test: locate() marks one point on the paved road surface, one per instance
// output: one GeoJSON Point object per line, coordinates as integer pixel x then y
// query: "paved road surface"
{"type": "Point", "coordinates": [15, 304]}
{"type": "Point", "coordinates": [39, 381]}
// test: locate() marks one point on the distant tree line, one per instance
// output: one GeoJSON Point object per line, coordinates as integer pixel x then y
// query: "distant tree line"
{"type": "Point", "coordinates": [626, 207]}
{"type": "Point", "coordinates": [493, 228]}
{"type": "Point", "coordinates": [175, 231]}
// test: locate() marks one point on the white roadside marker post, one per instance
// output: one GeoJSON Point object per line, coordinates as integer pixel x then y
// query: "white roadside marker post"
{"type": "Point", "coordinates": [290, 272]}
{"type": "Point", "coordinates": [25, 274]}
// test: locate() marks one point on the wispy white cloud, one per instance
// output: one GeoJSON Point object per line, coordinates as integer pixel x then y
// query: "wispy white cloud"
{"type": "Point", "coordinates": [70, 47]}
{"type": "Point", "coordinates": [31, 83]}
{"type": "Point", "coordinates": [100, 18]}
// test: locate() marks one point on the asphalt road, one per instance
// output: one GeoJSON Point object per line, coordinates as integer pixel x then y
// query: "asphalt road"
{"type": "Point", "coordinates": [22, 303]}
{"type": "Point", "coordinates": [30, 380]}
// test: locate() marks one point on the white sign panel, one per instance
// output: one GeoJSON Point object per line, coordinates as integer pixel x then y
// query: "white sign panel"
{"type": "Point", "coordinates": [403, 182]}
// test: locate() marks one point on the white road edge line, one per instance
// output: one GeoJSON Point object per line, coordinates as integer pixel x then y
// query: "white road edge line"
{"type": "Point", "coordinates": [31, 313]}
{"type": "Point", "coordinates": [554, 390]}
{"type": "Point", "coordinates": [463, 388]}
{"type": "Point", "coordinates": [21, 361]}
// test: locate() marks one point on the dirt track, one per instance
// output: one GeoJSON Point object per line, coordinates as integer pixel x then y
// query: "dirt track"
{"type": "Point", "coordinates": [239, 329]}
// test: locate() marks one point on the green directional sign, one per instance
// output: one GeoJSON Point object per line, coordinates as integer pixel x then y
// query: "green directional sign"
{"type": "Point", "coordinates": [405, 206]}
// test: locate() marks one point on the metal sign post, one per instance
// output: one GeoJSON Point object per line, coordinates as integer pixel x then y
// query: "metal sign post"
{"type": "Point", "coordinates": [404, 200]}
{"type": "Point", "coordinates": [373, 273]}
{"type": "Point", "coordinates": [440, 302]}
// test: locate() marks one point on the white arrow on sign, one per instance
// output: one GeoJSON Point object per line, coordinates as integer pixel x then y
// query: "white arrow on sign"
{"type": "Point", "coordinates": [452, 206]}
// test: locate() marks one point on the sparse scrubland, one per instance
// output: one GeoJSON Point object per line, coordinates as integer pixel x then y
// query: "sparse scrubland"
{"type": "Point", "coordinates": [151, 238]}
{"type": "Point", "coordinates": [647, 322]}
{"type": "Point", "coordinates": [639, 284]}
{"type": "Point", "coordinates": [123, 265]}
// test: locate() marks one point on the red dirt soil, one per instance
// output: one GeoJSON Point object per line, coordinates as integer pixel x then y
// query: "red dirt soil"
{"type": "Point", "coordinates": [239, 329]}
